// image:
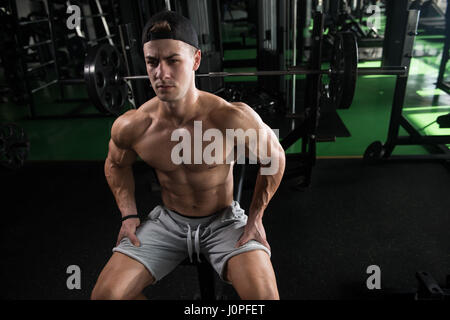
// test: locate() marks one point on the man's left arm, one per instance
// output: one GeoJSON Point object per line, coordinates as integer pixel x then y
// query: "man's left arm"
{"type": "Point", "coordinates": [271, 157]}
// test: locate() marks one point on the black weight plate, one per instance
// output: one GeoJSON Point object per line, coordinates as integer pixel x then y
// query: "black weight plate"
{"type": "Point", "coordinates": [336, 79]}
{"type": "Point", "coordinates": [344, 66]}
{"type": "Point", "coordinates": [14, 145]}
{"type": "Point", "coordinates": [103, 74]}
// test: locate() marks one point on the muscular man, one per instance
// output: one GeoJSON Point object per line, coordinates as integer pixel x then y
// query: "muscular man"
{"type": "Point", "coordinates": [198, 214]}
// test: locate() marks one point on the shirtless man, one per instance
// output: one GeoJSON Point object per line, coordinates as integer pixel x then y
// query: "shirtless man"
{"type": "Point", "coordinates": [198, 214]}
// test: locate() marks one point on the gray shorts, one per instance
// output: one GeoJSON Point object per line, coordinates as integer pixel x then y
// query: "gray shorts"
{"type": "Point", "coordinates": [167, 238]}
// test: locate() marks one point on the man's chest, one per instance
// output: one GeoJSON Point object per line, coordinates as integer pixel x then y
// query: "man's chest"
{"type": "Point", "coordinates": [195, 148]}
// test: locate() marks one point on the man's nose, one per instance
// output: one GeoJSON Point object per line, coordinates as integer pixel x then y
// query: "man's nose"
{"type": "Point", "coordinates": [162, 71]}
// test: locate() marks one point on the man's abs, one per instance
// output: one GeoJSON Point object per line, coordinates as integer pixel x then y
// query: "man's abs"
{"type": "Point", "coordinates": [198, 193]}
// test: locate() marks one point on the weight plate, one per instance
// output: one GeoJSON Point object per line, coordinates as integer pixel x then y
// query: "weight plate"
{"type": "Point", "coordinates": [14, 146]}
{"type": "Point", "coordinates": [336, 78]}
{"type": "Point", "coordinates": [344, 66]}
{"type": "Point", "coordinates": [104, 69]}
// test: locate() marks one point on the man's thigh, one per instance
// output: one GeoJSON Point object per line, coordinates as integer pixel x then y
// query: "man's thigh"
{"type": "Point", "coordinates": [252, 275]}
{"type": "Point", "coordinates": [123, 277]}
{"type": "Point", "coordinates": [219, 245]}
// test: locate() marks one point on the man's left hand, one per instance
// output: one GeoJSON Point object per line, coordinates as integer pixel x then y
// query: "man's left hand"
{"type": "Point", "coordinates": [254, 230]}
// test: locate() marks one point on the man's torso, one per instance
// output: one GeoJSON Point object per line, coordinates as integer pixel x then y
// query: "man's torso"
{"type": "Point", "coordinates": [191, 188]}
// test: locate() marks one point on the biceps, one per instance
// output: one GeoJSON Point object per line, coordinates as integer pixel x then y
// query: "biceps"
{"type": "Point", "coordinates": [120, 157]}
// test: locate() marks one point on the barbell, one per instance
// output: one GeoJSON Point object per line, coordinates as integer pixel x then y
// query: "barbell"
{"type": "Point", "coordinates": [104, 71]}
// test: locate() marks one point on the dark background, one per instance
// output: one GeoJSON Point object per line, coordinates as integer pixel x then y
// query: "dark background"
{"type": "Point", "coordinates": [393, 215]}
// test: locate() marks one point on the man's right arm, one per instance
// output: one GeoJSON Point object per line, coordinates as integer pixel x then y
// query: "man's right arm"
{"type": "Point", "coordinates": [119, 174]}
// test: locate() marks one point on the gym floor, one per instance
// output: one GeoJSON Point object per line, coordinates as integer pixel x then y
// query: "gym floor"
{"type": "Point", "coordinates": [59, 211]}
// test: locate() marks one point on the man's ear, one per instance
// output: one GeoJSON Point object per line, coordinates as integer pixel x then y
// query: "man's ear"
{"type": "Point", "coordinates": [197, 59]}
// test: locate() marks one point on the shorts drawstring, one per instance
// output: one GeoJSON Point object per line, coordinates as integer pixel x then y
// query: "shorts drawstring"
{"type": "Point", "coordinates": [189, 242]}
{"type": "Point", "coordinates": [196, 242]}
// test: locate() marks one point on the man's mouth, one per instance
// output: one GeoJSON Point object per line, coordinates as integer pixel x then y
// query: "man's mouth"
{"type": "Point", "coordinates": [164, 86]}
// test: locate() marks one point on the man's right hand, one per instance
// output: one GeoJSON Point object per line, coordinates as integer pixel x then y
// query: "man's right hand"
{"type": "Point", "coordinates": [128, 230]}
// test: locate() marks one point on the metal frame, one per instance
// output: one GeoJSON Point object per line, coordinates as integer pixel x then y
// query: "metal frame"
{"type": "Point", "coordinates": [22, 52]}
{"type": "Point", "coordinates": [49, 5]}
{"type": "Point", "coordinates": [397, 119]}
{"type": "Point", "coordinates": [308, 130]}
{"type": "Point", "coordinates": [109, 37]}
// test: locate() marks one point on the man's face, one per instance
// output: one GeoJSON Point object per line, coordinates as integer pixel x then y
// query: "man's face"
{"type": "Point", "coordinates": [170, 66]}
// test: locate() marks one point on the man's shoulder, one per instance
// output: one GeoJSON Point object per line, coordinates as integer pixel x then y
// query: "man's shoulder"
{"type": "Point", "coordinates": [128, 127]}
{"type": "Point", "coordinates": [231, 115]}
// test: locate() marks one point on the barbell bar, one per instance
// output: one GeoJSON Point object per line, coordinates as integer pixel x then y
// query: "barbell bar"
{"type": "Point", "coordinates": [291, 71]}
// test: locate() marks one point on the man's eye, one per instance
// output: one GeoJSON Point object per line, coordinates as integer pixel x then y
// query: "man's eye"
{"type": "Point", "coordinates": [173, 61]}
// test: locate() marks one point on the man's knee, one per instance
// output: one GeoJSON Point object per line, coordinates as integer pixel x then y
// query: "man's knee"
{"type": "Point", "coordinates": [109, 292]}
{"type": "Point", "coordinates": [257, 288]}
{"type": "Point", "coordinates": [269, 292]}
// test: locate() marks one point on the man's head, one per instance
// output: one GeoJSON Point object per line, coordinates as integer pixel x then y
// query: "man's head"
{"type": "Point", "coordinates": [172, 54]}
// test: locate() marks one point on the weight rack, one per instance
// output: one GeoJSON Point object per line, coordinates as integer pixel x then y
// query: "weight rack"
{"type": "Point", "coordinates": [51, 41]}
{"type": "Point", "coordinates": [379, 151]}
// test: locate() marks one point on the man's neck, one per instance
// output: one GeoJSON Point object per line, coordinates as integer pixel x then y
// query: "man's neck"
{"type": "Point", "coordinates": [181, 111]}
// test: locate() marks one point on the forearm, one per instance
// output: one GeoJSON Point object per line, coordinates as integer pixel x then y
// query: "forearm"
{"type": "Point", "coordinates": [265, 188]}
{"type": "Point", "coordinates": [121, 182]}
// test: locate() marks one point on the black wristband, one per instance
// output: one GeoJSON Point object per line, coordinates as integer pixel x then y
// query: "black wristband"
{"type": "Point", "coordinates": [129, 217]}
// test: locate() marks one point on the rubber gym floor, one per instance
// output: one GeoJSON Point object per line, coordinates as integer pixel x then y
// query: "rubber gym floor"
{"type": "Point", "coordinates": [58, 210]}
